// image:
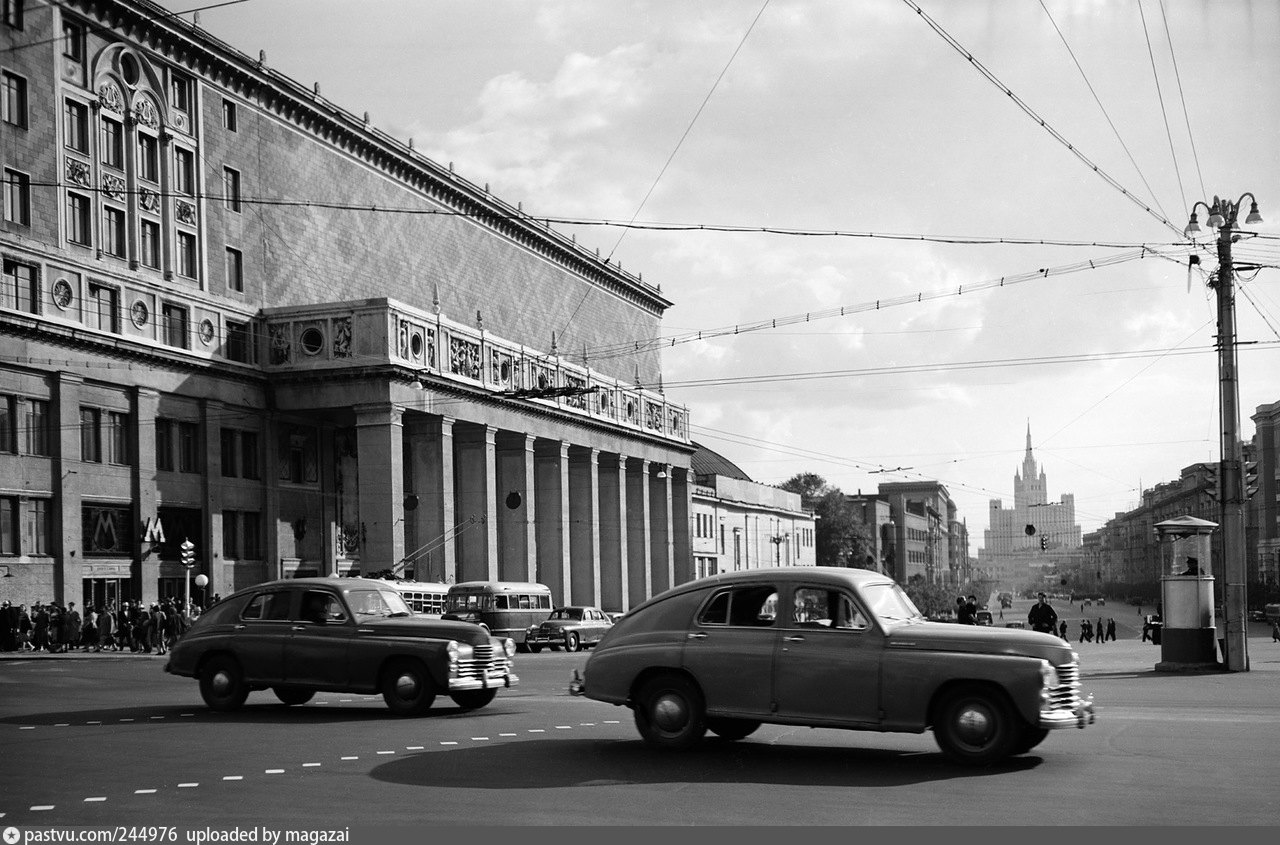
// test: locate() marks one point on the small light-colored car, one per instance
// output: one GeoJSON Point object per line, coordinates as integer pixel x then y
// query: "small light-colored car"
{"type": "Point", "coordinates": [571, 627]}
{"type": "Point", "coordinates": [830, 647]}
{"type": "Point", "coordinates": [300, 636]}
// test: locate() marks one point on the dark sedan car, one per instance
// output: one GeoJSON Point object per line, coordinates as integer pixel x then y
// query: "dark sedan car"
{"type": "Point", "coordinates": [830, 647]}
{"type": "Point", "coordinates": [300, 636]}
{"type": "Point", "coordinates": [572, 628]}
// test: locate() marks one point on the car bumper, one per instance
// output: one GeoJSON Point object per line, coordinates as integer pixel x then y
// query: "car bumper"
{"type": "Point", "coordinates": [486, 682]}
{"type": "Point", "coordinates": [1077, 717]}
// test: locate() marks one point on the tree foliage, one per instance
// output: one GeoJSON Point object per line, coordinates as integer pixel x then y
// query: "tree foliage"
{"type": "Point", "coordinates": [841, 538]}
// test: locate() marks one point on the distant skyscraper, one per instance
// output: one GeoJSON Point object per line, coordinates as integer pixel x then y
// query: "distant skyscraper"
{"type": "Point", "coordinates": [1035, 534]}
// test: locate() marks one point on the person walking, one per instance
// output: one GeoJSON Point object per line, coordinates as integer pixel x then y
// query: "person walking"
{"type": "Point", "coordinates": [1102, 632]}
{"type": "Point", "coordinates": [1275, 631]}
{"type": "Point", "coordinates": [966, 613]}
{"type": "Point", "coordinates": [1111, 629]}
{"type": "Point", "coordinates": [1062, 631]}
{"type": "Point", "coordinates": [1042, 617]}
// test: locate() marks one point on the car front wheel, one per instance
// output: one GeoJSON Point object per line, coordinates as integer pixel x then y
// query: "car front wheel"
{"type": "Point", "coordinates": [670, 713]}
{"type": "Point", "coordinates": [222, 684]}
{"type": "Point", "coordinates": [534, 648]}
{"type": "Point", "coordinates": [293, 695]}
{"type": "Point", "coordinates": [975, 726]}
{"type": "Point", "coordinates": [472, 699]}
{"type": "Point", "coordinates": [407, 688]}
{"type": "Point", "coordinates": [572, 642]}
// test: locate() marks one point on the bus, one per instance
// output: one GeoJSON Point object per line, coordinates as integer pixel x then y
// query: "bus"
{"type": "Point", "coordinates": [424, 599]}
{"type": "Point", "coordinates": [504, 608]}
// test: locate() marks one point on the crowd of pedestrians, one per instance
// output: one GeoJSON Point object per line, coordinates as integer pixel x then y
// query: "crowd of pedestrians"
{"type": "Point", "coordinates": [132, 626]}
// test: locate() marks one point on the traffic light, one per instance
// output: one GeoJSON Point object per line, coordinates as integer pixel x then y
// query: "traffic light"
{"type": "Point", "coordinates": [1211, 480]}
{"type": "Point", "coordinates": [188, 557]}
{"type": "Point", "coordinates": [1044, 543]}
{"type": "Point", "coordinates": [1250, 478]}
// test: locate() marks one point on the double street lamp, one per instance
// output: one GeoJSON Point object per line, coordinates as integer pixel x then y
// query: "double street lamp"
{"type": "Point", "coordinates": [1223, 216]}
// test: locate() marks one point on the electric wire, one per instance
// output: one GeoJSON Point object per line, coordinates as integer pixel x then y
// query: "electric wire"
{"type": "Point", "coordinates": [1164, 113]}
{"type": "Point", "coordinates": [1186, 115]}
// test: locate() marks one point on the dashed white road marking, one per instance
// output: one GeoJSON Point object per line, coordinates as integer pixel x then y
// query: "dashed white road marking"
{"type": "Point", "coordinates": [41, 807]}
{"type": "Point", "coordinates": [508, 734]}
{"type": "Point", "coordinates": [564, 727]}
{"type": "Point", "coordinates": [95, 722]}
{"type": "Point", "coordinates": [448, 743]}
{"type": "Point", "coordinates": [233, 777]}
{"type": "Point", "coordinates": [188, 785]}
{"type": "Point", "coordinates": [273, 771]}
{"type": "Point", "coordinates": [386, 752]}
{"type": "Point", "coordinates": [350, 758]}
{"type": "Point", "coordinates": [63, 725]}
{"type": "Point", "coordinates": [126, 720]}
{"type": "Point", "coordinates": [144, 792]}
{"type": "Point", "coordinates": [27, 728]}
{"type": "Point", "coordinates": [536, 731]}
{"type": "Point", "coordinates": [310, 765]}
{"type": "Point", "coordinates": [95, 798]}
{"type": "Point", "coordinates": [479, 739]}
{"type": "Point", "coordinates": [413, 748]}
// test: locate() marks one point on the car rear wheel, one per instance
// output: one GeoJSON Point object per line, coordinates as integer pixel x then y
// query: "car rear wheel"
{"type": "Point", "coordinates": [534, 648]}
{"type": "Point", "coordinates": [975, 726]}
{"type": "Point", "coordinates": [731, 729]}
{"type": "Point", "coordinates": [222, 684]}
{"type": "Point", "coordinates": [1029, 738]}
{"type": "Point", "coordinates": [293, 695]}
{"type": "Point", "coordinates": [407, 688]}
{"type": "Point", "coordinates": [670, 713]}
{"type": "Point", "coordinates": [472, 699]}
{"type": "Point", "coordinates": [572, 642]}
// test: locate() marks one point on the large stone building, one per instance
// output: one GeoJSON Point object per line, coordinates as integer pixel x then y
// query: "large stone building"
{"type": "Point", "coordinates": [238, 314]}
{"type": "Point", "coordinates": [1033, 537]}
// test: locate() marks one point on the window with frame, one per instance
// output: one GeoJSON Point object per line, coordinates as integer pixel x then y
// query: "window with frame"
{"type": "Point", "coordinates": [12, 13]}
{"type": "Point", "coordinates": [241, 535]}
{"type": "Point", "coordinates": [180, 93]}
{"type": "Point", "coordinates": [8, 525]}
{"type": "Point", "coordinates": [184, 171]}
{"type": "Point", "coordinates": [75, 125]}
{"type": "Point", "coordinates": [118, 438]}
{"type": "Point", "coordinates": [240, 454]}
{"type": "Point", "coordinates": [175, 325]}
{"type": "Point", "coordinates": [231, 189]}
{"type": "Point", "coordinates": [13, 106]}
{"type": "Point", "coordinates": [72, 41]}
{"type": "Point", "coordinates": [17, 197]}
{"type": "Point", "coordinates": [36, 434]}
{"type": "Point", "coordinates": [148, 157]}
{"type": "Point", "coordinates": [79, 226]}
{"type": "Point", "coordinates": [187, 254]}
{"type": "Point", "coordinates": [37, 527]}
{"type": "Point", "coordinates": [103, 312]}
{"type": "Point", "coordinates": [113, 232]}
{"type": "Point", "coordinates": [21, 286]}
{"type": "Point", "coordinates": [188, 447]}
{"type": "Point", "coordinates": [821, 607]}
{"type": "Point", "coordinates": [8, 424]}
{"type": "Point", "coordinates": [238, 347]}
{"type": "Point", "coordinates": [235, 270]}
{"type": "Point", "coordinates": [149, 244]}
{"type": "Point", "coordinates": [751, 606]}
{"type": "Point", "coordinates": [164, 444]}
{"type": "Point", "coordinates": [113, 143]}
{"type": "Point", "coordinates": [230, 118]}
{"type": "Point", "coordinates": [91, 435]}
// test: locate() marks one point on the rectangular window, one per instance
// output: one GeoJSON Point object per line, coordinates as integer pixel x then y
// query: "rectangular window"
{"type": "Point", "coordinates": [13, 108]}
{"type": "Point", "coordinates": [251, 535]}
{"type": "Point", "coordinates": [8, 525]}
{"type": "Point", "coordinates": [103, 312]}
{"type": "Point", "coordinates": [75, 124]}
{"type": "Point", "coordinates": [21, 286]}
{"type": "Point", "coordinates": [187, 254]}
{"type": "Point", "coordinates": [235, 270]}
{"type": "Point", "coordinates": [164, 444]}
{"type": "Point", "coordinates": [237, 345]}
{"type": "Point", "coordinates": [12, 13]}
{"type": "Point", "coordinates": [231, 188]}
{"type": "Point", "coordinates": [79, 226]}
{"type": "Point", "coordinates": [184, 171]}
{"type": "Point", "coordinates": [230, 120]}
{"type": "Point", "coordinates": [188, 443]}
{"type": "Point", "coordinates": [118, 438]}
{"type": "Point", "coordinates": [148, 163]}
{"type": "Point", "coordinates": [230, 535]}
{"type": "Point", "coordinates": [37, 441]}
{"type": "Point", "coordinates": [91, 435]}
{"type": "Point", "coordinates": [113, 239]}
{"type": "Point", "coordinates": [230, 466]}
{"type": "Point", "coordinates": [37, 528]}
{"type": "Point", "coordinates": [112, 143]}
{"type": "Point", "coordinates": [249, 464]}
{"type": "Point", "coordinates": [180, 93]}
{"type": "Point", "coordinates": [73, 41]}
{"type": "Point", "coordinates": [174, 326]}
{"type": "Point", "coordinates": [17, 197]}
{"type": "Point", "coordinates": [8, 424]}
{"type": "Point", "coordinates": [149, 247]}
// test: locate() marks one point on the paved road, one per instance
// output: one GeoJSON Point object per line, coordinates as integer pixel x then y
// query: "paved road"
{"type": "Point", "coordinates": [108, 740]}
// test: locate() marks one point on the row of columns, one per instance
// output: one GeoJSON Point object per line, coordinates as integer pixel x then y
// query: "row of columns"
{"type": "Point", "coordinates": [468, 501]}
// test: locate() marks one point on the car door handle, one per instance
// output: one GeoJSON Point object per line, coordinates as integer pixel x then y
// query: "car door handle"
{"type": "Point", "coordinates": [240, 627]}
{"type": "Point", "coordinates": [298, 628]}
{"type": "Point", "coordinates": [696, 636]}
{"type": "Point", "coordinates": [793, 639]}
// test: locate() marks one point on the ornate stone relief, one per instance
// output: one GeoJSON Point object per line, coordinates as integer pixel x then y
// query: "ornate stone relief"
{"type": "Point", "coordinates": [144, 112]}
{"type": "Point", "coordinates": [149, 200]}
{"type": "Point", "coordinates": [653, 416]}
{"type": "Point", "coordinates": [110, 98]}
{"type": "Point", "coordinates": [77, 172]}
{"type": "Point", "coordinates": [281, 348]}
{"type": "Point", "coordinates": [464, 358]}
{"type": "Point", "coordinates": [62, 293]}
{"type": "Point", "coordinates": [185, 212]}
{"type": "Point", "coordinates": [113, 186]}
{"type": "Point", "coordinates": [342, 338]}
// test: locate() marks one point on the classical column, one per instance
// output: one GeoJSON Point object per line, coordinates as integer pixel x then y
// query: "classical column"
{"type": "Point", "coordinates": [515, 507]}
{"type": "Point", "coordinates": [681, 530]}
{"type": "Point", "coordinates": [551, 517]}
{"type": "Point", "coordinates": [209, 546]}
{"type": "Point", "coordinates": [430, 484]}
{"type": "Point", "coordinates": [660, 529]}
{"type": "Point", "coordinates": [146, 405]}
{"type": "Point", "coordinates": [380, 455]}
{"type": "Point", "coordinates": [613, 533]}
{"type": "Point", "coordinates": [584, 525]}
{"type": "Point", "coordinates": [639, 536]}
{"type": "Point", "coordinates": [475, 482]}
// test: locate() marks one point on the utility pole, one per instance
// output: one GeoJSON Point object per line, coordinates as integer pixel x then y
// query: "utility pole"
{"type": "Point", "coordinates": [1222, 216]}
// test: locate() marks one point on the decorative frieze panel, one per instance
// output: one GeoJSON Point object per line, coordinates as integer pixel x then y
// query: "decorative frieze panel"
{"type": "Point", "coordinates": [77, 172]}
{"type": "Point", "coordinates": [185, 212]}
{"type": "Point", "coordinates": [653, 416]}
{"type": "Point", "coordinates": [149, 200]}
{"type": "Point", "coordinates": [281, 345]}
{"type": "Point", "coordinates": [575, 400]}
{"type": "Point", "coordinates": [342, 337]}
{"type": "Point", "coordinates": [113, 186]}
{"type": "Point", "coordinates": [464, 357]}
{"type": "Point", "coordinates": [110, 98]}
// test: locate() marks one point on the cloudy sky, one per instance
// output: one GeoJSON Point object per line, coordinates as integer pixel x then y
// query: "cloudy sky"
{"type": "Point", "coordinates": [886, 161]}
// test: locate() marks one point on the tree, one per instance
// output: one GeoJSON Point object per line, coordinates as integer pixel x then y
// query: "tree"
{"type": "Point", "coordinates": [840, 536]}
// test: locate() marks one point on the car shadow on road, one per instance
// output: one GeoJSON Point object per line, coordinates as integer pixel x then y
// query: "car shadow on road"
{"type": "Point", "coordinates": [551, 764]}
{"type": "Point", "coordinates": [267, 711]}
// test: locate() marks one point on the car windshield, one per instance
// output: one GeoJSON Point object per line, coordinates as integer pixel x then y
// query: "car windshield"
{"type": "Point", "coordinates": [890, 604]}
{"type": "Point", "coordinates": [377, 603]}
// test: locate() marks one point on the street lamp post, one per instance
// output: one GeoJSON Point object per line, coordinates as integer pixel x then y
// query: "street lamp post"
{"type": "Point", "coordinates": [1222, 216]}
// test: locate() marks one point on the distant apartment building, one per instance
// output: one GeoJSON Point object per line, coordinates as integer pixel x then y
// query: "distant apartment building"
{"type": "Point", "coordinates": [923, 518]}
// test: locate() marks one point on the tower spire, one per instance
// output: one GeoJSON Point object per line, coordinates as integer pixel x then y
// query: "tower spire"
{"type": "Point", "coordinates": [1028, 435]}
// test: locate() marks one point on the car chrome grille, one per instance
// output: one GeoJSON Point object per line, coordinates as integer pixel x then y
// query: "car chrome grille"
{"type": "Point", "coordinates": [485, 659]}
{"type": "Point", "coordinates": [1066, 695]}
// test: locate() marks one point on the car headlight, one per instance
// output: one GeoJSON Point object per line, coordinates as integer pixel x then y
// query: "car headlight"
{"type": "Point", "coordinates": [509, 646]}
{"type": "Point", "coordinates": [1049, 675]}
{"type": "Point", "coordinates": [458, 651]}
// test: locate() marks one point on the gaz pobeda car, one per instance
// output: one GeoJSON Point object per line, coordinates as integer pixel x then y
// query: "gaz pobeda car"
{"type": "Point", "coordinates": [304, 635]}
{"type": "Point", "coordinates": [571, 627]}
{"type": "Point", "coordinates": [830, 647]}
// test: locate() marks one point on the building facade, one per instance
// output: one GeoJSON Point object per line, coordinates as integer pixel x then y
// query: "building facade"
{"type": "Point", "coordinates": [1033, 537]}
{"type": "Point", "coordinates": [922, 515]}
{"type": "Point", "coordinates": [236, 314]}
